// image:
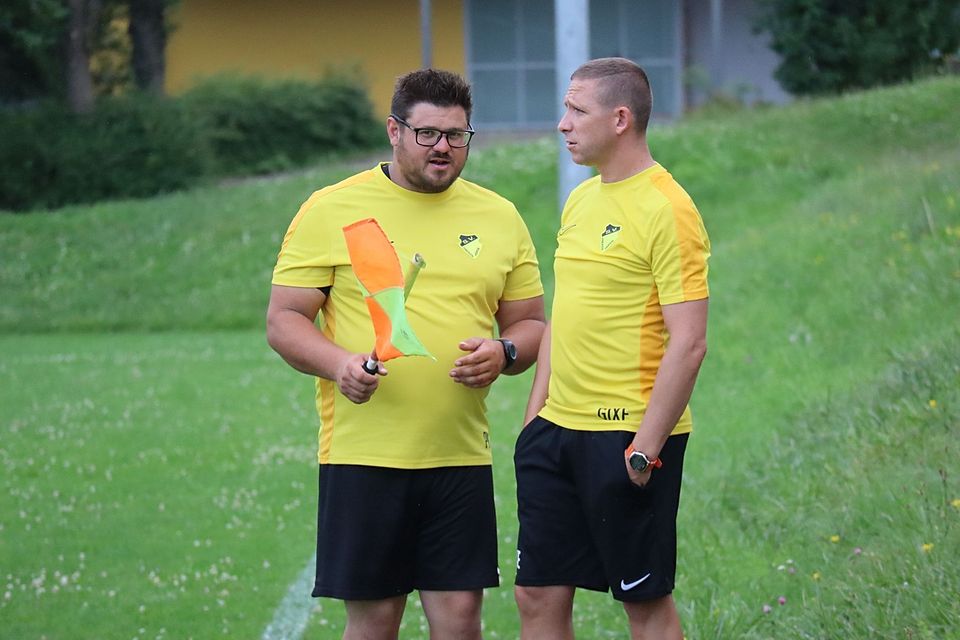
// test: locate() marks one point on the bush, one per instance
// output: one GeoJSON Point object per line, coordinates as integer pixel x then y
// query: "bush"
{"type": "Point", "coordinates": [257, 126]}
{"type": "Point", "coordinates": [829, 46]}
{"type": "Point", "coordinates": [131, 146]}
{"type": "Point", "coordinates": [141, 146]}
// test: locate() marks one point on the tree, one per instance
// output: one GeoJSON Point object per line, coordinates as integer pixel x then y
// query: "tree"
{"type": "Point", "coordinates": [148, 34]}
{"type": "Point", "coordinates": [829, 46]}
{"type": "Point", "coordinates": [78, 49]}
{"type": "Point", "coordinates": [78, 36]}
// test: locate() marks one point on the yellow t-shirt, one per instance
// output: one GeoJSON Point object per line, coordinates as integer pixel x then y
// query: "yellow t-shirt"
{"type": "Point", "coordinates": [623, 250]}
{"type": "Point", "coordinates": [478, 251]}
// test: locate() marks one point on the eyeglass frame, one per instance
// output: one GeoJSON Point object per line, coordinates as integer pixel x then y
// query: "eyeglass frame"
{"type": "Point", "coordinates": [416, 133]}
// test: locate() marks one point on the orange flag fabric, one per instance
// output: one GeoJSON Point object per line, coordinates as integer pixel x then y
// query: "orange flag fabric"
{"type": "Point", "coordinates": [377, 268]}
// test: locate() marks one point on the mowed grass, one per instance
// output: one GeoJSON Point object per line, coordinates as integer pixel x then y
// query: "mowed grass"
{"type": "Point", "coordinates": [158, 460]}
{"type": "Point", "coordinates": [149, 483]}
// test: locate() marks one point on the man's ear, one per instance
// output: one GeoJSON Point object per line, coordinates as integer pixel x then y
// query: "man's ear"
{"type": "Point", "coordinates": [625, 120]}
{"type": "Point", "coordinates": [393, 132]}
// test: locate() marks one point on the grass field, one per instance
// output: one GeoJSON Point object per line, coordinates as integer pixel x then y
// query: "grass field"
{"type": "Point", "coordinates": [158, 470]}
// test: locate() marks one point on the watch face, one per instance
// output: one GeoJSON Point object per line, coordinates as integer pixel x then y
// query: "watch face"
{"type": "Point", "coordinates": [638, 462]}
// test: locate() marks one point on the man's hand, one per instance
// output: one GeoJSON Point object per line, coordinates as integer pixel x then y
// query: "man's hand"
{"type": "Point", "coordinates": [482, 365]}
{"type": "Point", "coordinates": [639, 479]}
{"type": "Point", "coordinates": [354, 382]}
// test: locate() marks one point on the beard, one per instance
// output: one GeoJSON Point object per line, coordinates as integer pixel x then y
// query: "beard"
{"type": "Point", "coordinates": [425, 177]}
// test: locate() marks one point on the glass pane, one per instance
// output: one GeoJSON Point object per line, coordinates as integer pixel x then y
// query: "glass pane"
{"type": "Point", "coordinates": [652, 29]}
{"type": "Point", "coordinates": [541, 94]}
{"type": "Point", "coordinates": [495, 96]}
{"type": "Point", "coordinates": [604, 29]}
{"type": "Point", "coordinates": [493, 31]}
{"type": "Point", "coordinates": [536, 21]}
{"type": "Point", "coordinates": [663, 83]}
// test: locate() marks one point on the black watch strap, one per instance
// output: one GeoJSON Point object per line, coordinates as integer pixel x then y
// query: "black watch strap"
{"type": "Point", "coordinates": [509, 352]}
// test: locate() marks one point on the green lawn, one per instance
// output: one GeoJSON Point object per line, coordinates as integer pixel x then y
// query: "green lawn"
{"type": "Point", "coordinates": [158, 460]}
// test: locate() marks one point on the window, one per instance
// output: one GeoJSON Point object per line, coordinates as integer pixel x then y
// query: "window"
{"type": "Point", "coordinates": [649, 34]}
{"type": "Point", "coordinates": [511, 62]}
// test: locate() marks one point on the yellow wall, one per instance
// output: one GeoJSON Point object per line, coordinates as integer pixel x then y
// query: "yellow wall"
{"type": "Point", "coordinates": [305, 38]}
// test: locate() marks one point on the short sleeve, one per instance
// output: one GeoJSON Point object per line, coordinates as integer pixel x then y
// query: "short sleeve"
{"type": "Point", "coordinates": [305, 258]}
{"type": "Point", "coordinates": [523, 281]}
{"type": "Point", "coordinates": [679, 252]}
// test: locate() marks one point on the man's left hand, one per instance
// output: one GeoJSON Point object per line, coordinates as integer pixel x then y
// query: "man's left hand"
{"type": "Point", "coordinates": [482, 365]}
{"type": "Point", "coordinates": [639, 479]}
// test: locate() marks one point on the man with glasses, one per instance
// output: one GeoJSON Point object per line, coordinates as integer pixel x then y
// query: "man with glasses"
{"type": "Point", "coordinates": [406, 489]}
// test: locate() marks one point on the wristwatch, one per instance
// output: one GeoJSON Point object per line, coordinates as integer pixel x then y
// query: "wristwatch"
{"type": "Point", "coordinates": [509, 352]}
{"type": "Point", "coordinates": [639, 461]}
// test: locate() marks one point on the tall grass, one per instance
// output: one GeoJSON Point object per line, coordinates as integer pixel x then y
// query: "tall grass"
{"type": "Point", "coordinates": [158, 474]}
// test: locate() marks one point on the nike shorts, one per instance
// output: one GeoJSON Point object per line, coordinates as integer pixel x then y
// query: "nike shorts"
{"type": "Point", "coordinates": [583, 523]}
{"type": "Point", "coordinates": [384, 532]}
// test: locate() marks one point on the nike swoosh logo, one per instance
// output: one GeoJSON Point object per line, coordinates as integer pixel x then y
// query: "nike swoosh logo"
{"type": "Point", "coordinates": [626, 587]}
{"type": "Point", "coordinates": [566, 228]}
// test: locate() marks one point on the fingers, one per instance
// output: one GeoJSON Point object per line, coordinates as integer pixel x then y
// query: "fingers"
{"type": "Point", "coordinates": [355, 383]}
{"type": "Point", "coordinates": [471, 344]}
{"type": "Point", "coordinates": [481, 366]}
{"type": "Point", "coordinates": [474, 377]}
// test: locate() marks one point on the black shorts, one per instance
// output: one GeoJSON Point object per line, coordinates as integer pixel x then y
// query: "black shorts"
{"type": "Point", "coordinates": [385, 532]}
{"type": "Point", "coordinates": [583, 523]}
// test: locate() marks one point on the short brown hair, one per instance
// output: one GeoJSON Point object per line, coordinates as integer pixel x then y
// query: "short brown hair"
{"type": "Point", "coordinates": [623, 84]}
{"type": "Point", "coordinates": [433, 86]}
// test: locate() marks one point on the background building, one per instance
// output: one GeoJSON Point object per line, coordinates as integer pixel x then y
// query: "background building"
{"type": "Point", "coordinates": [690, 48]}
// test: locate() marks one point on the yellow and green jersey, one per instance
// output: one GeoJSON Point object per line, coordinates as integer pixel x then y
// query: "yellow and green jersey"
{"type": "Point", "coordinates": [624, 249]}
{"type": "Point", "coordinates": [478, 252]}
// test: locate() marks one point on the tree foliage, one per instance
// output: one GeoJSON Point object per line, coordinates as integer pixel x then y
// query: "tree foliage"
{"type": "Point", "coordinates": [30, 35]}
{"type": "Point", "coordinates": [47, 46]}
{"type": "Point", "coordinates": [829, 46]}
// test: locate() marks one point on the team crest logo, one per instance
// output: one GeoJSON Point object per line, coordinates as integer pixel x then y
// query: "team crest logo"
{"type": "Point", "coordinates": [471, 244]}
{"type": "Point", "coordinates": [609, 236]}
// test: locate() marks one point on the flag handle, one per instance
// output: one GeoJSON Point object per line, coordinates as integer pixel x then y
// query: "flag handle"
{"type": "Point", "coordinates": [370, 366]}
{"type": "Point", "coordinates": [413, 270]}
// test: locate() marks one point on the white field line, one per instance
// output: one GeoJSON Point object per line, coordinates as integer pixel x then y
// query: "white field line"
{"type": "Point", "coordinates": [291, 617]}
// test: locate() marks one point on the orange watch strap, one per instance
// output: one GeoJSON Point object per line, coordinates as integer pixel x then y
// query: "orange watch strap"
{"type": "Point", "coordinates": [656, 462]}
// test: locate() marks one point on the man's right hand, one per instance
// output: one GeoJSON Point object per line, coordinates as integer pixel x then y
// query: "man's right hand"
{"type": "Point", "coordinates": [354, 382]}
{"type": "Point", "coordinates": [293, 333]}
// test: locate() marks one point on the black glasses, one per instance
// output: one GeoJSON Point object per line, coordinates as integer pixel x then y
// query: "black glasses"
{"type": "Point", "coordinates": [427, 137]}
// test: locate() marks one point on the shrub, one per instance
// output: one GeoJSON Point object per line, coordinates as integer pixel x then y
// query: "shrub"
{"type": "Point", "coordinates": [257, 125]}
{"type": "Point", "coordinates": [131, 146]}
{"type": "Point", "coordinates": [140, 146]}
{"type": "Point", "coordinates": [828, 46]}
